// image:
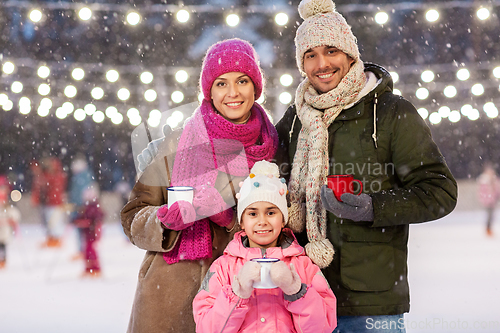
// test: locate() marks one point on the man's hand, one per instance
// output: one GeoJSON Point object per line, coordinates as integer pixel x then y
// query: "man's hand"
{"type": "Point", "coordinates": [353, 207]}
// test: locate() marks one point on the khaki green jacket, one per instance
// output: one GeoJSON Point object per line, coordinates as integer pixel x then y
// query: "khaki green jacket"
{"type": "Point", "coordinates": [403, 171]}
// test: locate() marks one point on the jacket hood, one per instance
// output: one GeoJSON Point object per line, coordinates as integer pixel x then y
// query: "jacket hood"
{"type": "Point", "coordinates": [384, 81]}
{"type": "Point", "coordinates": [289, 247]}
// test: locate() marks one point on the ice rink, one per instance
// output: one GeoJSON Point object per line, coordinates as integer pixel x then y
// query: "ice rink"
{"type": "Point", "coordinates": [454, 271]}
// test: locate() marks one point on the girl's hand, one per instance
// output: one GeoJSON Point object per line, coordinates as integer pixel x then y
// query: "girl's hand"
{"type": "Point", "coordinates": [285, 278]}
{"type": "Point", "coordinates": [243, 283]}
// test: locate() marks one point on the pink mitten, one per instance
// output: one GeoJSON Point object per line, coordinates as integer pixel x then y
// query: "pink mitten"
{"type": "Point", "coordinates": [285, 278]}
{"type": "Point", "coordinates": [179, 216]}
{"type": "Point", "coordinates": [207, 201]}
{"type": "Point", "coordinates": [243, 283]}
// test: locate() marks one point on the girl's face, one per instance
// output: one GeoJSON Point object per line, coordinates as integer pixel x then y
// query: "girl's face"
{"type": "Point", "coordinates": [233, 95]}
{"type": "Point", "coordinates": [262, 222]}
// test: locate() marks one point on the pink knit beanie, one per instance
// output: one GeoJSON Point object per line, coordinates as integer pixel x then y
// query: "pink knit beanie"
{"type": "Point", "coordinates": [230, 55]}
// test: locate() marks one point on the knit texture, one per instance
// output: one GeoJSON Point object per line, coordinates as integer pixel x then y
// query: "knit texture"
{"type": "Point", "coordinates": [316, 112]}
{"type": "Point", "coordinates": [231, 55]}
{"type": "Point", "coordinates": [209, 144]}
{"type": "Point", "coordinates": [263, 184]}
{"type": "Point", "coordinates": [322, 25]}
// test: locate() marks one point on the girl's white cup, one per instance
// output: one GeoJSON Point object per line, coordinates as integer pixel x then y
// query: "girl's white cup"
{"type": "Point", "coordinates": [265, 273]}
{"type": "Point", "coordinates": [178, 193]}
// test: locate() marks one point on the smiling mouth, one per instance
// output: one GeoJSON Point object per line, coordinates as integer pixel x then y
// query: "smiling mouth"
{"type": "Point", "coordinates": [262, 232]}
{"type": "Point", "coordinates": [325, 76]}
{"type": "Point", "coordinates": [234, 104]}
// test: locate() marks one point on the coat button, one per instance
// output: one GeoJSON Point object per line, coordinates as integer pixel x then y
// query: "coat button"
{"type": "Point", "coordinates": [262, 319]}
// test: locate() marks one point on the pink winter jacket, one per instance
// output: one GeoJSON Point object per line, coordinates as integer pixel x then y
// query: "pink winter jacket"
{"type": "Point", "coordinates": [216, 307]}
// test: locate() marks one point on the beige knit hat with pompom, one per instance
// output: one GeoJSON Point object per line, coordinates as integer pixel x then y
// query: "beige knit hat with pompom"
{"type": "Point", "coordinates": [322, 26]}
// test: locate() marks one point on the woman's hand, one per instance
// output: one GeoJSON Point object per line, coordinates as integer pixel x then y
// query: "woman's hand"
{"type": "Point", "coordinates": [178, 217]}
{"type": "Point", "coordinates": [208, 202]}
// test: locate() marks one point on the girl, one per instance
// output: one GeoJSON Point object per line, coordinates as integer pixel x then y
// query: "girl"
{"type": "Point", "coordinates": [218, 145]}
{"type": "Point", "coordinates": [227, 301]}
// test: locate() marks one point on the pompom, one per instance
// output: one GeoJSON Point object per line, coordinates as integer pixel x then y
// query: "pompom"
{"type": "Point", "coordinates": [321, 252]}
{"type": "Point", "coordinates": [308, 8]}
{"type": "Point", "coordinates": [297, 217]}
{"type": "Point", "coordinates": [265, 168]}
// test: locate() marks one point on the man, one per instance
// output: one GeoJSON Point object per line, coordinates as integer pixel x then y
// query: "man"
{"type": "Point", "coordinates": [346, 120]}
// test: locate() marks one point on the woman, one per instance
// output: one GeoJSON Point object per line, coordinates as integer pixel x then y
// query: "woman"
{"type": "Point", "coordinates": [219, 143]}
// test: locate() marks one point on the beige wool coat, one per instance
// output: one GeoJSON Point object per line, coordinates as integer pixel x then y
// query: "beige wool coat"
{"type": "Point", "coordinates": [164, 294]}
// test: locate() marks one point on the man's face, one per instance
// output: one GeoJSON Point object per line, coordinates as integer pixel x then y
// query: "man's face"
{"type": "Point", "coordinates": [325, 66]}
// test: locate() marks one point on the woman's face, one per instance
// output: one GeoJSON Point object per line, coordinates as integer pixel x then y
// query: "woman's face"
{"type": "Point", "coordinates": [233, 95]}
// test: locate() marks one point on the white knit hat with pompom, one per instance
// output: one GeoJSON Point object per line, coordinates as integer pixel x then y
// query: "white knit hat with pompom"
{"type": "Point", "coordinates": [323, 26]}
{"type": "Point", "coordinates": [263, 184]}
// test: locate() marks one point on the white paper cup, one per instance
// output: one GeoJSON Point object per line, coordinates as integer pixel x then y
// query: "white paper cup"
{"type": "Point", "coordinates": [178, 193]}
{"type": "Point", "coordinates": [265, 273]}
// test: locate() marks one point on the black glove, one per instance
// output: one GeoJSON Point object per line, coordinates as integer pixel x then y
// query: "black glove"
{"type": "Point", "coordinates": [353, 207]}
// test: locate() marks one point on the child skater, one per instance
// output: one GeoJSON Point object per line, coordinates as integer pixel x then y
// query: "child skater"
{"type": "Point", "coordinates": [227, 301]}
{"type": "Point", "coordinates": [89, 220]}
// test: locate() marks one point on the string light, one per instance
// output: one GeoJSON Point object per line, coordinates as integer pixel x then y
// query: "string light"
{"type": "Point", "coordinates": [177, 96]}
{"type": "Point", "coordinates": [112, 75]}
{"type": "Point", "coordinates": [146, 77]}
{"type": "Point", "coordinates": [181, 76]}
{"type": "Point", "coordinates": [133, 18]}
{"type": "Point", "coordinates": [286, 80]}
{"type": "Point", "coordinates": [463, 74]}
{"type": "Point", "coordinates": [232, 20]}
{"type": "Point", "coordinates": [432, 15]}
{"type": "Point", "coordinates": [483, 13]}
{"type": "Point", "coordinates": [423, 113]}
{"type": "Point", "coordinates": [285, 98]}
{"type": "Point", "coordinates": [35, 15]}
{"type": "Point", "coordinates": [381, 18]}
{"type": "Point", "coordinates": [182, 16]}
{"type": "Point", "coordinates": [85, 14]}
{"type": "Point", "coordinates": [8, 67]}
{"type": "Point", "coordinates": [281, 19]}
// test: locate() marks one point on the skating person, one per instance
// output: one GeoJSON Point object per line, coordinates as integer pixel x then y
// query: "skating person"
{"type": "Point", "coordinates": [9, 219]}
{"type": "Point", "coordinates": [89, 220]}
{"type": "Point", "coordinates": [49, 192]}
{"type": "Point", "coordinates": [81, 179]}
{"type": "Point", "coordinates": [489, 193]}
{"type": "Point", "coordinates": [228, 302]}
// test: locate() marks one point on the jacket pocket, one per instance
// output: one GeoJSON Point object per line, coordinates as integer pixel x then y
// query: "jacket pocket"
{"type": "Point", "coordinates": [367, 259]}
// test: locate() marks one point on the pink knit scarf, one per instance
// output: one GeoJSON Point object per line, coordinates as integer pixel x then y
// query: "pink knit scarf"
{"type": "Point", "coordinates": [209, 143]}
